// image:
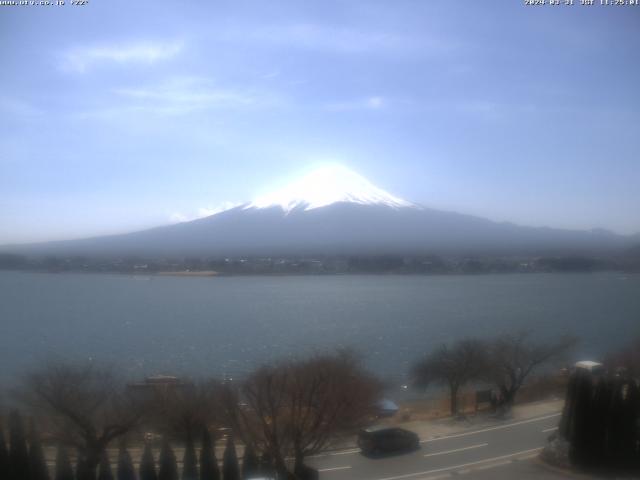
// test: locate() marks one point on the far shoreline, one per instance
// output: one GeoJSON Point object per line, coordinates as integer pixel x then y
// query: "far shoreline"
{"type": "Point", "coordinates": [216, 274]}
{"type": "Point", "coordinates": [184, 273]}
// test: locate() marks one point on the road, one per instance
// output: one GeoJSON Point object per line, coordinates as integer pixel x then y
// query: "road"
{"type": "Point", "coordinates": [500, 447]}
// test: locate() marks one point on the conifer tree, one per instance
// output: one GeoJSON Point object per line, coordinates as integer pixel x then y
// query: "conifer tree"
{"type": "Point", "coordinates": [250, 462]}
{"type": "Point", "coordinates": [230, 467]}
{"type": "Point", "coordinates": [64, 471]}
{"type": "Point", "coordinates": [125, 465]}
{"type": "Point", "coordinates": [634, 419]}
{"type": "Point", "coordinates": [266, 465]}
{"type": "Point", "coordinates": [630, 422]}
{"type": "Point", "coordinates": [601, 422]}
{"type": "Point", "coordinates": [168, 465]}
{"type": "Point", "coordinates": [81, 466]}
{"type": "Point", "coordinates": [616, 421]}
{"type": "Point", "coordinates": [104, 469]}
{"type": "Point", "coordinates": [598, 420]}
{"type": "Point", "coordinates": [189, 461]}
{"type": "Point", "coordinates": [579, 438]}
{"type": "Point", "coordinates": [148, 465]}
{"type": "Point", "coordinates": [4, 456]}
{"type": "Point", "coordinates": [37, 463]}
{"type": "Point", "coordinates": [567, 421]}
{"type": "Point", "coordinates": [208, 463]}
{"type": "Point", "coordinates": [18, 452]}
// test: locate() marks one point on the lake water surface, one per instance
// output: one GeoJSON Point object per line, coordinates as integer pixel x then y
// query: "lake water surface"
{"type": "Point", "coordinates": [217, 325]}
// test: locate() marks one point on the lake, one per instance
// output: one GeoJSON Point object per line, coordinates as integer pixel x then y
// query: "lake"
{"type": "Point", "coordinates": [225, 325]}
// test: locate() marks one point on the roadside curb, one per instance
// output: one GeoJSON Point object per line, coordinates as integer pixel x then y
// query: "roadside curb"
{"type": "Point", "coordinates": [562, 471]}
{"type": "Point", "coordinates": [468, 431]}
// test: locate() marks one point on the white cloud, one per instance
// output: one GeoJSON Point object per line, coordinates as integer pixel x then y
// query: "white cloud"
{"type": "Point", "coordinates": [185, 94]}
{"type": "Point", "coordinates": [14, 107]}
{"type": "Point", "coordinates": [208, 211]}
{"type": "Point", "coordinates": [179, 217]}
{"type": "Point", "coordinates": [344, 40]}
{"type": "Point", "coordinates": [81, 59]}
{"type": "Point", "coordinates": [179, 96]}
{"type": "Point", "coordinates": [271, 74]}
{"type": "Point", "coordinates": [369, 103]}
{"type": "Point", "coordinates": [491, 110]}
{"type": "Point", "coordinates": [483, 107]}
{"type": "Point", "coordinates": [375, 102]}
{"type": "Point", "coordinates": [325, 38]}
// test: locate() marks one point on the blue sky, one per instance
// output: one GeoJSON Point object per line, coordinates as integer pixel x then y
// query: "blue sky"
{"type": "Point", "coordinates": [121, 115]}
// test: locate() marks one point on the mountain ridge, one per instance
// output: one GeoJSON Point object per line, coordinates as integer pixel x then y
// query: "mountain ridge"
{"type": "Point", "coordinates": [334, 211]}
{"type": "Point", "coordinates": [340, 228]}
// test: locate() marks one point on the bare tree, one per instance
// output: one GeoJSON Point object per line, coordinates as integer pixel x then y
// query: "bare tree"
{"type": "Point", "coordinates": [513, 357]}
{"type": "Point", "coordinates": [4, 456]}
{"type": "Point", "coordinates": [453, 366]}
{"type": "Point", "coordinates": [230, 465]}
{"type": "Point", "coordinates": [85, 406]}
{"type": "Point", "coordinates": [64, 470]}
{"type": "Point", "coordinates": [37, 463]}
{"type": "Point", "coordinates": [328, 396]}
{"type": "Point", "coordinates": [625, 361]}
{"type": "Point", "coordinates": [18, 451]}
{"type": "Point", "coordinates": [208, 463]}
{"type": "Point", "coordinates": [255, 411]}
{"type": "Point", "coordinates": [185, 410]}
{"type": "Point", "coordinates": [298, 408]}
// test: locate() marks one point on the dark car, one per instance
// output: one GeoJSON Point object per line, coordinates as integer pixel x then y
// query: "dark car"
{"type": "Point", "coordinates": [380, 440]}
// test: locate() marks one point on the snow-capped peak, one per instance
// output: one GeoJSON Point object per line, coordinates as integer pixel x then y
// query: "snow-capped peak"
{"type": "Point", "coordinates": [327, 185]}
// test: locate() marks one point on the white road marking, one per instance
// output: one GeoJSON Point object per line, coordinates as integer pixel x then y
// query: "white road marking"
{"type": "Point", "coordinates": [455, 467]}
{"type": "Point", "coordinates": [334, 468]}
{"type": "Point", "coordinates": [456, 450]}
{"type": "Point", "coordinates": [343, 452]}
{"type": "Point", "coordinates": [346, 452]}
{"type": "Point", "coordinates": [522, 422]}
{"type": "Point", "coordinates": [357, 450]}
{"type": "Point", "coordinates": [438, 477]}
{"type": "Point", "coordinates": [549, 429]}
{"type": "Point", "coordinates": [527, 457]}
{"type": "Point", "coordinates": [493, 465]}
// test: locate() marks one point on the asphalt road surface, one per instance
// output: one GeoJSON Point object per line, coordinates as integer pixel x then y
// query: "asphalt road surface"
{"type": "Point", "coordinates": [501, 451]}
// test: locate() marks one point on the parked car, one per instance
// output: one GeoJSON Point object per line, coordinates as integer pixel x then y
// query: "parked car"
{"type": "Point", "coordinates": [387, 408]}
{"type": "Point", "coordinates": [382, 439]}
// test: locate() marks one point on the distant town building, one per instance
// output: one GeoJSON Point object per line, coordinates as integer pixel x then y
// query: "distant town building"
{"type": "Point", "coordinates": [158, 384]}
{"type": "Point", "coordinates": [589, 366]}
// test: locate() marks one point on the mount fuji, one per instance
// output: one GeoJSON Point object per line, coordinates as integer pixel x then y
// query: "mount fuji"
{"type": "Point", "coordinates": [335, 211]}
{"type": "Point", "coordinates": [326, 186]}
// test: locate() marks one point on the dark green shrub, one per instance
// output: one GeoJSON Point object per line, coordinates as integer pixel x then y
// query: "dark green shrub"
{"type": "Point", "coordinates": [189, 461]}
{"type": "Point", "coordinates": [250, 462]}
{"type": "Point", "coordinates": [208, 463]}
{"type": "Point", "coordinates": [168, 465]}
{"type": "Point", "coordinates": [4, 456]}
{"type": "Point", "coordinates": [64, 471]}
{"type": "Point", "coordinates": [18, 452]}
{"type": "Point", "coordinates": [230, 467]}
{"type": "Point", "coordinates": [104, 469]}
{"type": "Point", "coordinates": [37, 463]}
{"type": "Point", "coordinates": [125, 465]}
{"type": "Point", "coordinates": [148, 465]}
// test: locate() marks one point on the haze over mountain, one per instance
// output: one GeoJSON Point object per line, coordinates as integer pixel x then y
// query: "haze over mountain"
{"type": "Point", "coordinates": [335, 211]}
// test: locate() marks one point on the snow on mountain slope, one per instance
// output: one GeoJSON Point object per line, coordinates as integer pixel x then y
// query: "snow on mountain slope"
{"type": "Point", "coordinates": [325, 186]}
